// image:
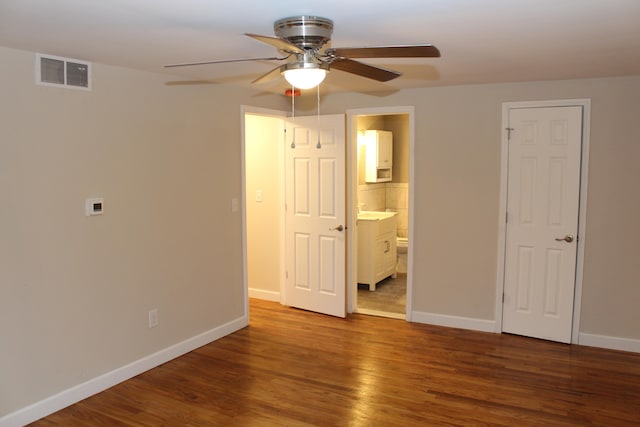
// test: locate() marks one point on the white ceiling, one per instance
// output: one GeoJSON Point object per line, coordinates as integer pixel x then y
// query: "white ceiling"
{"type": "Point", "coordinates": [482, 41]}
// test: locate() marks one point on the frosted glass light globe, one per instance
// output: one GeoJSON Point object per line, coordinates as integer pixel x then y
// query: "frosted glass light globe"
{"type": "Point", "coordinates": [305, 78]}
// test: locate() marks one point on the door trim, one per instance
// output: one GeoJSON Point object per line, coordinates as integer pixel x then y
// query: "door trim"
{"type": "Point", "coordinates": [352, 198]}
{"type": "Point", "coordinates": [582, 208]}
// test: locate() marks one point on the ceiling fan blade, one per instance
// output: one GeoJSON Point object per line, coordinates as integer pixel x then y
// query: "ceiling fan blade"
{"type": "Point", "coordinates": [277, 43]}
{"type": "Point", "coordinates": [364, 70]}
{"type": "Point", "coordinates": [223, 61]}
{"type": "Point", "coordinates": [408, 51]}
{"type": "Point", "coordinates": [271, 75]}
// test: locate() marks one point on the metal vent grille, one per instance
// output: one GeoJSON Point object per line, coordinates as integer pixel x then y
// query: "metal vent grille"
{"type": "Point", "coordinates": [62, 72]}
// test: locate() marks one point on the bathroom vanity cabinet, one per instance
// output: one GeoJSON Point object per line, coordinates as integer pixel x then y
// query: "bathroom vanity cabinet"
{"type": "Point", "coordinates": [377, 251]}
{"type": "Point", "coordinates": [378, 155]}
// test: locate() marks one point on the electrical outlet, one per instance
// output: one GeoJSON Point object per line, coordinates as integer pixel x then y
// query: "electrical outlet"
{"type": "Point", "coordinates": [153, 318]}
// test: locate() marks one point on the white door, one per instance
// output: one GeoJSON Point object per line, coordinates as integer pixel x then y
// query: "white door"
{"type": "Point", "coordinates": [542, 221]}
{"type": "Point", "coordinates": [315, 214]}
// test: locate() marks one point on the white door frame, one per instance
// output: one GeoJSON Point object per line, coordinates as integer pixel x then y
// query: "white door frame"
{"type": "Point", "coordinates": [352, 198]}
{"type": "Point", "coordinates": [582, 213]}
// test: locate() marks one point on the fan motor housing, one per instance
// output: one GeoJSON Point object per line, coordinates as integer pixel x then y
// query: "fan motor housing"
{"type": "Point", "coordinates": [307, 32]}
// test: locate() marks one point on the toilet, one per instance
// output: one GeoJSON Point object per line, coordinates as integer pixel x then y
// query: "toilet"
{"type": "Point", "coordinates": [402, 246]}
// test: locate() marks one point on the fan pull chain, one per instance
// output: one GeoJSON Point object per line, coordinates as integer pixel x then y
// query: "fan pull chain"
{"type": "Point", "coordinates": [293, 116]}
{"type": "Point", "coordinates": [318, 145]}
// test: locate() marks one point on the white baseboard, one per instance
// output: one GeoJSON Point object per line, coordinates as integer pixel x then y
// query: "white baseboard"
{"type": "Point", "coordinates": [79, 392]}
{"type": "Point", "coordinates": [613, 343]}
{"type": "Point", "coordinates": [453, 321]}
{"type": "Point", "coordinates": [592, 340]}
{"type": "Point", "coordinates": [264, 295]}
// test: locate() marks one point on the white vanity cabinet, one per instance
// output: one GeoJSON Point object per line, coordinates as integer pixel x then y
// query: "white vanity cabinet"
{"type": "Point", "coordinates": [378, 155]}
{"type": "Point", "coordinates": [377, 253]}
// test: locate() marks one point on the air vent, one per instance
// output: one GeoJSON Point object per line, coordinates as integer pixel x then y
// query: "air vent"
{"type": "Point", "coordinates": [63, 72]}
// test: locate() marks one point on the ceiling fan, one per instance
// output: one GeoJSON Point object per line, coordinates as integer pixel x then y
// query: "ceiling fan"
{"type": "Point", "coordinates": [301, 39]}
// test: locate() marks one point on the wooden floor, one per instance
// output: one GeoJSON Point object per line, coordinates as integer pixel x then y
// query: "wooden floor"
{"type": "Point", "coordinates": [294, 368]}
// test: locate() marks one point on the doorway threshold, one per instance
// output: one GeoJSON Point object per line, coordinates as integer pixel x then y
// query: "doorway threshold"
{"type": "Point", "coordinates": [379, 313]}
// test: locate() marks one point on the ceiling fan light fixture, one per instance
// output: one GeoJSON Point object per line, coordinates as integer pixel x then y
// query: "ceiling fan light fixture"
{"type": "Point", "coordinates": [305, 78]}
{"type": "Point", "coordinates": [302, 38]}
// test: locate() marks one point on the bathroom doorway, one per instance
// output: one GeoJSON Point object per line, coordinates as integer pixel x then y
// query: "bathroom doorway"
{"type": "Point", "coordinates": [369, 198]}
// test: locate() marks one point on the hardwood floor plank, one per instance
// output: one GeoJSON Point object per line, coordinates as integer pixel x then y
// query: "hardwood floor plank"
{"type": "Point", "coordinates": [295, 368]}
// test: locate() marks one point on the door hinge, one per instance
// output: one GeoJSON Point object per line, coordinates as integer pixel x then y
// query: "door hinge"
{"type": "Point", "coordinates": [509, 132]}
{"type": "Point", "coordinates": [503, 297]}
{"type": "Point", "coordinates": [506, 217]}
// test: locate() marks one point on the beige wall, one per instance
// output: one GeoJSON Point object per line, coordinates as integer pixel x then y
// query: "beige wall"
{"type": "Point", "coordinates": [75, 291]}
{"type": "Point", "coordinates": [399, 125]}
{"type": "Point", "coordinates": [457, 157]}
{"type": "Point", "coordinates": [263, 163]}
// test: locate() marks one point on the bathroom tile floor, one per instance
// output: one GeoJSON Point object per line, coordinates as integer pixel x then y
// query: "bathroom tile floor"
{"type": "Point", "coordinates": [390, 295]}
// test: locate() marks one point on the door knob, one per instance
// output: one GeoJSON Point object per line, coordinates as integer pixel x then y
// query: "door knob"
{"type": "Point", "coordinates": [339, 228]}
{"type": "Point", "coordinates": [568, 238]}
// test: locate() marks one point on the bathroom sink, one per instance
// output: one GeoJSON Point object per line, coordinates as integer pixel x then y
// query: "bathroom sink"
{"type": "Point", "coordinates": [375, 215]}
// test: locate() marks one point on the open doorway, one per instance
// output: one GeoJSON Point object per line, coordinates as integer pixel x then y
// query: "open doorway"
{"type": "Point", "coordinates": [294, 209]}
{"type": "Point", "coordinates": [262, 202]}
{"type": "Point", "coordinates": [380, 201]}
{"type": "Point", "coordinates": [263, 250]}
